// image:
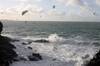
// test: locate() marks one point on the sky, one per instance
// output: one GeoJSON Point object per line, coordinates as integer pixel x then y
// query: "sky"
{"type": "Point", "coordinates": [53, 10]}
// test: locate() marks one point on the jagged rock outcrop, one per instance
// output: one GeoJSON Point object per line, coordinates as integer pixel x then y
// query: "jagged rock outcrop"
{"type": "Point", "coordinates": [95, 61]}
{"type": "Point", "coordinates": [7, 53]}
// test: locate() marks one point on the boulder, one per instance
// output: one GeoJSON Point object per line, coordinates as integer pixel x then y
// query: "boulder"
{"type": "Point", "coordinates": [85, 57]}
{"type": "Point", "coordinates": [29, 48]}
{"type": "Point", "coordinates": [35, 57]}
{"type": "Point", "coordinates": [42, 41]}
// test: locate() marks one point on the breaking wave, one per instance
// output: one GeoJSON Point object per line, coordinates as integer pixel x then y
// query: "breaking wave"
{"type": "Point", "coordinates": [65, 49]}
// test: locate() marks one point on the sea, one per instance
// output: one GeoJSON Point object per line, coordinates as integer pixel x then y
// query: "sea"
{"type": "Point", "coordinates": [73, 41]}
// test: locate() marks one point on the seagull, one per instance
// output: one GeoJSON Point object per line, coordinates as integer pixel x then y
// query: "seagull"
{"type": "Point", "coordinates": [54, 6]}
{"type": "Point", "coordinates": [24, 12]}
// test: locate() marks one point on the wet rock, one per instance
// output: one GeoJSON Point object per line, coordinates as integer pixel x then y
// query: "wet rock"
{"type": "Point", "coordinates": [29, 42]}
{"type": "Point", "coordinates": [29, 48]}
{"type": "Point", "coordinates": [24, 43]}
{"type": "Point", "coordinates": [85, 57]}
{"type": "Point", "coordinates": [95, 61]}
{"type": "Point", "coordinates": [16, 60]}
{"type": "Point", "coordinates": [4, 42]}
{"type": "Point", "coordinates": [54, 59]}
{"type": "Point", "coordinates": [42, 41]}
{"type": "Point", "coordinates": [22, 58]}
{"type": "Point", "coordinates": [7, 53]}
{"type": "Point", "coordinates": [35, 57]}
{"type": "Point", "coordinates": [14, 40]}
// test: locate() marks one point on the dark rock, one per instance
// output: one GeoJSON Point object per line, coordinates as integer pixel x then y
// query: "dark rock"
{"type": "Point", "coordinates": [35, 57]}
{"type": "Point", "coordinates": [1, 27]}
{"type": "Point", "coordinates": [14, 40]}
{"type": "Point", "coordinates": [4, 64]}
{"type": "Point", "coordinates": [7, 53]}
{"type": "Point", "coordinates": [22, 58]}
{"type": "Point", "coordinates": [15, 59]}
{"type": "Point", "coordinates": [42, 41]}
{"type": "Point", "coordinates": [29, 48]}
{"type": "Point", "coordinates": [85, 57]}
{"type": "Point", "coordinates": [4, 42]}
{"type": "Point", "coordinates": [24, 43]}
{"type": "Point", "coordinates": [95, 61]}
{"type": "Point", "coordinates": [29, 42]}
{"type": "Point", "coordinates": [32, 58]}
{"type": "Point", "coordinates": [54, 59]}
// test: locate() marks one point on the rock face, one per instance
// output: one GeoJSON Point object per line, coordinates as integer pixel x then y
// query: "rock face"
{"type": "Point", "coordinates": [7, 54]}
{"type": "Point", "coordinates": [1, 27]}
{"type": "Point", "coordinates": [95, 61]}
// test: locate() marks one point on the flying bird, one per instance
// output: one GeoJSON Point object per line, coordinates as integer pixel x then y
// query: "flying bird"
{"type": "Point", "coordinates": [54, 6]}
{"type": "Point", "coordinates": [94, 13]}
{"type": "Point", "coordinates": [24, 12]}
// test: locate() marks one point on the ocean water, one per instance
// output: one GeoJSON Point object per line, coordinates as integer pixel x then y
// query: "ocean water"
{"type": "Point", "coordinates": [44, 29]}
{"type": "Point", "coordinates": [72, 41]}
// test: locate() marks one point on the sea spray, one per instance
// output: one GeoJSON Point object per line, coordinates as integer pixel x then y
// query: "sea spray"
{"type": "Point", "coordinates": [55, 38]}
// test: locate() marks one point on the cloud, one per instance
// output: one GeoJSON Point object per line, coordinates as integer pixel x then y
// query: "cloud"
{"type": "Point", "coordinates": [55, 13]}
{"type": "Point", "coordinates": [75, 2]}
{"type": "Point", "coordinates": [28, 0]}
{"type": "Point", "coordinates": [80, 6]}
{"type": "Point", "coordinates": [23, 0]}
{"type": "Point", "coordinates": [98, 2]}
{"type": "Point", "coordinates": [32, 9]}
{"type": "Point", "coordinates": [86, 12]}
{"type": "Point", "coordinates": [39, 0]}
{"type": "Point", "coordinates": [72, 2]}
{"type": "Point", "coordinates": [15, 12]}
{"type": "Point", "coordinates": [20, 0]}
{"type": "Point", "coordinates": [28, 6]}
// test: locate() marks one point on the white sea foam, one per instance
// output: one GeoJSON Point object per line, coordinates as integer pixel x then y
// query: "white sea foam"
{"type": "Point", "coordinates": [65, 50]}
{"type": "Point", "coordinates": [55, 38]}
{"type": "Point", "coordinates": [66, 53]}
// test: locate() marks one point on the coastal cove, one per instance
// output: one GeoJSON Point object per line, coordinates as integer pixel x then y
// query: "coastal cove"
{"type": "Point", "coordinates": [65, 43]}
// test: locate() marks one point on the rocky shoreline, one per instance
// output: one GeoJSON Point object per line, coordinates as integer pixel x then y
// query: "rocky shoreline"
{"type": "Point", "coordinates": [16, 50]}
{"type": "Point", "coordinates": [95, 61]}
{"type": "Point", "coordinates": [8, 55]}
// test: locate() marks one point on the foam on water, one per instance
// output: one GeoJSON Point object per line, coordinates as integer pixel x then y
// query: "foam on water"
{"type": "Point", "coordinates": [66, 52]}
{"type": "Point", "coordinates": [77, 49]}
{"type": "Point", "coordinates": [55, 38]}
